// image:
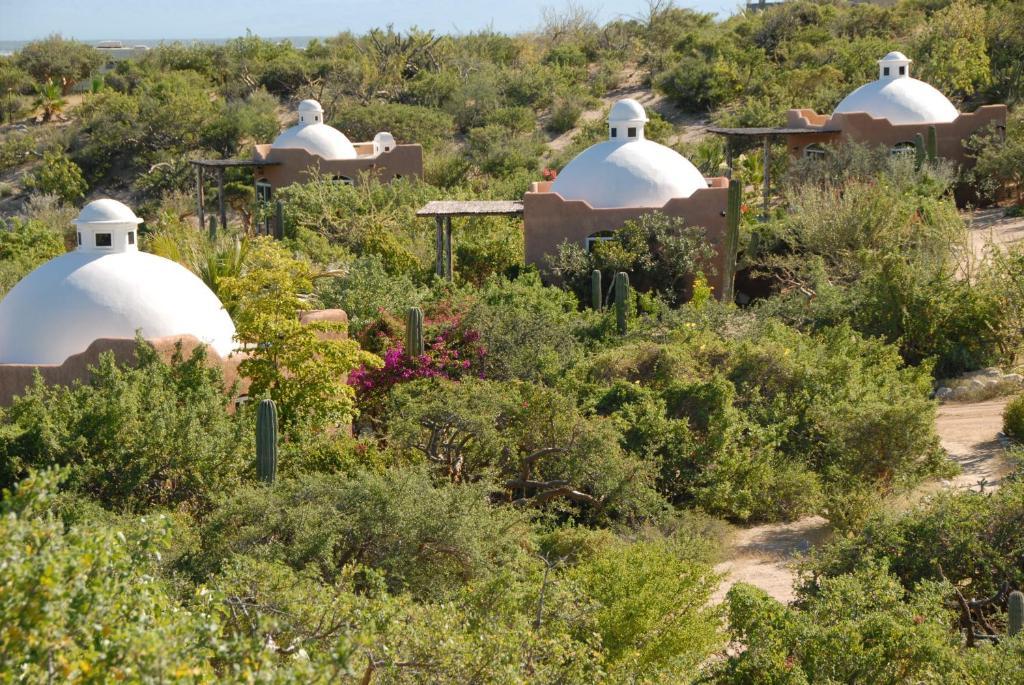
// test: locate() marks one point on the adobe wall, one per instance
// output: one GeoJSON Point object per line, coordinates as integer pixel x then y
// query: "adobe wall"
{"type": "Point", "coordinates": [549, 219]}
{"type": "Point", "coordinates": [863, 128]}
{"type": "Point", "coordinates": [405, 161]}
{"type": "Point", "coordinates": [14, 378]}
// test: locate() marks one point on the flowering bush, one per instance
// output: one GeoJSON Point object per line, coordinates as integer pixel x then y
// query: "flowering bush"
{"type": "Point", "coordinates": [452, 352]}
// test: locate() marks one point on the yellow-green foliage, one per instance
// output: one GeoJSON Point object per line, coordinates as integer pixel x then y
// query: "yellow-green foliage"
{"type": "Point", "coordinates": [1013, 418]}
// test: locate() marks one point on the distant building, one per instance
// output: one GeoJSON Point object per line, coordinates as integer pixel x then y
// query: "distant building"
{"type": "Point", "coordinates": [891, 111]}
{"type": "Point", "coordinates": [311, 146]}
{"type": "Point", "coordinates": [620, 179]}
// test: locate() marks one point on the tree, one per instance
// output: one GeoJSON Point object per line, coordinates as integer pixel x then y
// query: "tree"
{"type": "Point", "coordinates": [301, 366]}
{"type": "Point", "coordinates": [65, 62]}
{"type": "Point", "coordinates": [953, 49]}
{"type": "Point", "coordinates": [48, 96]}
{"type": "Point", "coordinates": [59, 176]}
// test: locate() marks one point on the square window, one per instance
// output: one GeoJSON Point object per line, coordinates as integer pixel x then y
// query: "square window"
{"type": "Point", "coordinates": [631, 132]}
{"type": "Point", "coordinates": [79, 237]}
{"type": "Point", "coordinates": [103, 240]}
{"type": "Point", "coordinates": [615, 132]}
{"type": "Point", "coordinates": [885, 70]}
{"type": "Point", "coordinates": [131, 237]}
{"type": "Point", "coordinates": [903, 70]}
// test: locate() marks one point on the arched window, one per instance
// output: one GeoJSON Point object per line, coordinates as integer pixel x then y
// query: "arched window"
{"type": "Point", "coordinates": [906, 148]}
{"type": "Point", "coordinates": [338, 178]}
{"type": "Point", "coordinates": [595, 238]}
{"type": "Point", "coordinates": [814, 151]}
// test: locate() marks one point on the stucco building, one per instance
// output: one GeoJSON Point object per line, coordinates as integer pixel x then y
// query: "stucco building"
{"type": "Point", "coordinates": [891, 111]}
{"type": "Point", "coordinates": [620, 179]}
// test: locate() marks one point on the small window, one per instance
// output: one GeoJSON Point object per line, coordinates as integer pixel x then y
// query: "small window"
{"type": "Point", "coordinates": [814, 151]}
{"type": "Point", "coordinates": [79, 237]}
{"type": "Point", "coordinates": [595, 238]}
{"type": "Point", "coordinates": [338, 178]}
{"type": "Point", "coordinates": [904, 149]}
{"type": "Point", "coordinates": [631, 132]}
{"type": "Point", "coordinates": [387, 148]}
{"type": "Point", "coordinates": [263, 190]}
{"type": "Point", "coordinates": [131, 237]}
{"type": "Point", "coordinates": [103, 240]}
{"type": "Point", "coordinates": [885, 70]}
{"type": "Point", "coordinates": [615, 132]}
{"type": "Point", "coordinates": [903, 71]}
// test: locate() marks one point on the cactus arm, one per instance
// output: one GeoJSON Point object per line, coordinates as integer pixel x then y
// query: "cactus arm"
{"type": "Point", "coordinates": [266, 441]}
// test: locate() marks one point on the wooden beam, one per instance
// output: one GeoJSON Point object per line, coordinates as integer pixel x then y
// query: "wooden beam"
{"type": "Point", "coordinates": [439, 245]}
{"type": "Point", "coordinates": [728, 157]}
{"type": "Point", "coordinates": [200, 198]}
{"type": "Point", "coordinates": [448, 247]}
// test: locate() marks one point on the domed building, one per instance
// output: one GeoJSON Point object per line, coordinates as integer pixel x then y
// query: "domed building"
{"type": "Point", "coordinates": [892, 110]}
{"type": "Point", "coordinates": [97, 297]}
{"type": "Point", "coordinates": [620, 179]}
{"type": "Point", "coordinates": [311, 145]}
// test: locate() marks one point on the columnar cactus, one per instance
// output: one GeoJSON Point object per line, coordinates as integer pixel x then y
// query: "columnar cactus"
{"type": "Point", "coordinates": [621, 300]}
{"type": "Point", "coordinates": [932, 148]}
{"type": "Point", "coordinates": [595, 290]}
{"type": "Point", "coordinates": [920, 154]}
{"type": "Point", "coordinates": [1016, 611]}
{"type": "Point", "coordinates": [266, 441]}
{"type": "Point", "coordinates": [414, 332]}
{"type": "Point", "coordinates": [732, 238]}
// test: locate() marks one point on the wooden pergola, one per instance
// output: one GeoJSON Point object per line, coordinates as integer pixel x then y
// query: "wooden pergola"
{"type": "Point", "coordinates": [767, 136]}
{"type": "Point", "coordinates": [218, 166]}
{"type": "Point", "coordinates": [444, 210]}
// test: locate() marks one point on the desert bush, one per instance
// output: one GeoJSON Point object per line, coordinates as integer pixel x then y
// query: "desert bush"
{"type": "Point", "coordinates": [407, 123]}
{"type": "Point", "coordinates": [24, 245]}
{"type": "Point", "coordinates": [59, 176]}
{"type": "Point", "coordinates": [163, 428]}
{"type": "Point", "coordinates": [1013, 418]}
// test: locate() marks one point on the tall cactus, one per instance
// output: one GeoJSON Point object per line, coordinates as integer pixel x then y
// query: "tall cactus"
{"type": "Point", "coordinates": [932, 148]}
{"type": "Point", "coordinates": [731, 244]}
{"type": "Point", "coordinates": [414, 332]}
{"type": "Point", "coordinates": [621, 301]}
{"type": "Point", "coordinates": [595, 290]}
{"type": "Point", "coordinates": [266, 441]}
{"type": "Point", "coordinates": [1016, 610]}
{"type": "Point", "coordinates": [920, 154]}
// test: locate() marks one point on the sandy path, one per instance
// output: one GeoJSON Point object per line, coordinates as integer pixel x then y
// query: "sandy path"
{"type": "Point", "coordinates": [763, 555]}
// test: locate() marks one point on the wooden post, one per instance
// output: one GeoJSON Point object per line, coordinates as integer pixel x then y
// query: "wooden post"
{"type": "Point", "coordinates": [200, 199]}
{"type": "Point", "coordinates": [767, 185]}
{"type": "Point", "coordinates": [448, 247]}
{"type": "Point", "coordinates": [220, 198]}
{"type": "Point", "coordinates": [439, 245]}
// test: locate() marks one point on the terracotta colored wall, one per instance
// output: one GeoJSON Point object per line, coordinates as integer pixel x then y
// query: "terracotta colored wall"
{"type": "Point", "coordinates": [14, 378]}
{"type": "Point", "coordinates": [863, 128]}
{"type": "Point", "coordinates": [295, 165]}
{"type": "Point", "coordinates": [549, 219]}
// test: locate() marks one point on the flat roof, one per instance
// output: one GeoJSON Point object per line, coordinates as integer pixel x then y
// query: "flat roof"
{"type": "Point", "coordinates": [763, 131]}
{"type": "Point", "coordinates": [470, 208]}
{"type": "Point", "coordinates": [222, 163]}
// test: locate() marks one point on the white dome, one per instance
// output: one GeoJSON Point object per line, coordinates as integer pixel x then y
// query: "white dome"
{"type": "Point", "coordinates": [898, 97]}
{"type": "Point", "coordinates": [106, 291]}
{"type": "Point", "coordinates": [628, 170]}
{"type": "Point", "coordinates": [314, 136]}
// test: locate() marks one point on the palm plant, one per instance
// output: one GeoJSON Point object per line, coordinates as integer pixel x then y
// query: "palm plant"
{"type": "Point", "coordinates": [49, 97]}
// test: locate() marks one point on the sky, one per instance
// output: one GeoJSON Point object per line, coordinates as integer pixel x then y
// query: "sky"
{"type": "Point", "coordinates": [22, 20]}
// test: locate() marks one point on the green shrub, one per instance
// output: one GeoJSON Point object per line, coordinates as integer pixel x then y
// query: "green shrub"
{"type": "Point", "coordinates": [1013, 418]}
{"type": "Point", "coordinates": [407, 123]}
{"type": "Point", "coordinates": [59, 176]}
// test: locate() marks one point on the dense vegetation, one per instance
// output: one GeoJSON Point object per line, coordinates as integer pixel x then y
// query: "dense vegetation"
{"type": "Point", "coordinates": [537, 496]}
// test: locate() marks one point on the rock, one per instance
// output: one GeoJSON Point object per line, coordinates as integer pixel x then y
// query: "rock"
{"type": "Point", "coordinates": [1013, 378]}
{"type": "Point", "coordinates": [943, 393]}
{"type": "Point", "coordinates": [990, 372]}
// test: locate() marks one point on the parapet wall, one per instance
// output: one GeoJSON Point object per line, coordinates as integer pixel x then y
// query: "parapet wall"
{"type": "Point", "coordinates": [863, 128]}
{"type": "Point", "coordinates": [294, 165]}
{"type": "Point", "coordinates": [549, 219]}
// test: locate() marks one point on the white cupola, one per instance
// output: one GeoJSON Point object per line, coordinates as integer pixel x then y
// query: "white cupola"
{"type": "Point", "coordinates": [898, 97]}
{"type": "Point", "coordinates": [310, 112]}
{"type": "Point", "coordinates": [626, 121]}
{"type": "Point", "coordinates": [107, 226]}
{"type": "Point", "coordinates": [314, 136]}
{"type": "Point", "coordinates": [627, 170]}
{"type": "Point", "coordinates": [107, 288]}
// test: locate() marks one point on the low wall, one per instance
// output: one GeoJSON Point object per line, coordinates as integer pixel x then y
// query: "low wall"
{"type": "Point", "coordinates": [549, 219]}
{"type": "Point", "coordinates": [863, 128]}
{"type": "Point", "coordinates": [297, 166]}
{"type": "Point", "coordinates": [14, 378]}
